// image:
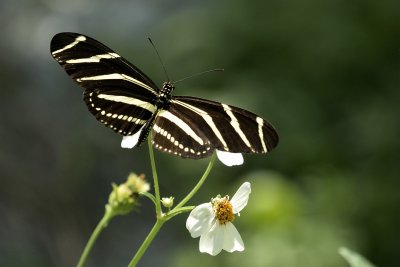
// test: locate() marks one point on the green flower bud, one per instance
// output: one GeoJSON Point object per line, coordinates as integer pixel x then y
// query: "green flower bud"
{"type": "Point", "coordinates": [167, 202]}
{"type": "Point", "coordinates": [123, 198]}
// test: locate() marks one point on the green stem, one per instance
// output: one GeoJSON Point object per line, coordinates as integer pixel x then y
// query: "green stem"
{"type": "Point", "coordinates": [149, 196]}
{"type": "Point", "coordinates": [175, 212]}
{"type": "Point", "coordinates": [99, 228]}
{"type": "Point", "coordinates": [146, 242]}
{"type": "Point", "coordinates": [198, 185]}
{"type": "Point", "coordinates": [155, 176]}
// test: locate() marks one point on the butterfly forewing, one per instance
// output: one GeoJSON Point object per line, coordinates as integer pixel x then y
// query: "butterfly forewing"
{"type": "Point", "coordinates": [84, 58]}
{"type": "Point", "coordinates": [117, 93]}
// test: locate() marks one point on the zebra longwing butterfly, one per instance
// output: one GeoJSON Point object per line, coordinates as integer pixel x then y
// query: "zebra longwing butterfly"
{"type": "Point", "coordinates": [124, 99]}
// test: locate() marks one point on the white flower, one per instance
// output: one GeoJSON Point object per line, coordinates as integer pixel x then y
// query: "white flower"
{"type": "Point", "coordinates": [213, 222]}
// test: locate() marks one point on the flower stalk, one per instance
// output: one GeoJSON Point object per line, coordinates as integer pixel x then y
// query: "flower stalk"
{"type": "Point", "coordinates": [161, 217]}
{"type": "Point", "coordinates": [155, 177]}
{"type": "Point", "coordinates": [147, 242]}
{"type": "Point", "coordinates": [96, 233]}
{"type": "Point", "coordinates": [199, 183]}
{"type": "Point", "coordinates": [123, 200]}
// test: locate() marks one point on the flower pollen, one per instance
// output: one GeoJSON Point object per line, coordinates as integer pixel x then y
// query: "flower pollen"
{"type": "Point", "coordinates": [223, 210]}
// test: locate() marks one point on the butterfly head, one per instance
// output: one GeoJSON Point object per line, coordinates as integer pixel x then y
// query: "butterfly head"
{"type": "Point", "coordinates": [167, 88]}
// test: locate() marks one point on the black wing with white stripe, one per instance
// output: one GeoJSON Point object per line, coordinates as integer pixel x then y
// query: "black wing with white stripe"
{"type": "Point", "coordinates": [124, 99]}
{"type": "Point", "coordinates": [117, 93]}
{"type": "Point", "coordinates": [204, 126]}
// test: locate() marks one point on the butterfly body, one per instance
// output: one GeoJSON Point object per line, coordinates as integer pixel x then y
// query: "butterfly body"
{"type": "Point", "coordinates": [164, 98]}
{"type": "Point", "coordinates": [126, 100]}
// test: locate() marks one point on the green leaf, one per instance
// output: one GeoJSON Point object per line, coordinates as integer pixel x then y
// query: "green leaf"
{"type": "Point", "coordinates": [354, 259]}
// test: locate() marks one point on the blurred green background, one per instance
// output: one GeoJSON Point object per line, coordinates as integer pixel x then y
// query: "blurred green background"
{"type": "Point", "coordinates": [325, 73]}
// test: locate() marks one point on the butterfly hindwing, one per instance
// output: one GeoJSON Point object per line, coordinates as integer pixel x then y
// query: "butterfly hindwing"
{"type": "Point", "coordinates": [205, 125]}
{"type": "Point", "coordinates": [176, 132]}
{"type": "Point", "coordinates": [123, 114]}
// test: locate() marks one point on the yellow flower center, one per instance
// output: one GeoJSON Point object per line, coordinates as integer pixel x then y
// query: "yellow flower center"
{"type": "Point", "coordinates": [223, 210]}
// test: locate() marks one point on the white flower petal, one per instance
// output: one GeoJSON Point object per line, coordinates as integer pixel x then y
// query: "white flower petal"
{"type": "Point", "coordinates": [200, 219]}
{"type": "Point", "coordinates": [212, 241]}
{"type": "Point", "coordinates": [230, 159]}
{"type": "Point", "coordinates": [232, 239]}
{"type": "Point", "coordinates": [239, 200]}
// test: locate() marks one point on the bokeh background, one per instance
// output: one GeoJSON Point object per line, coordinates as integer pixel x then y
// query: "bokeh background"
{"type": "Point", "coordinates": [325, 73]}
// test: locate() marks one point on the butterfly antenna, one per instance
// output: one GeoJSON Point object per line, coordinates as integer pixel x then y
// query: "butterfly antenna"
{"type": "Point", "coordinates": [198, 74]}
{"type": "Point", "coordinates": [159, 58]}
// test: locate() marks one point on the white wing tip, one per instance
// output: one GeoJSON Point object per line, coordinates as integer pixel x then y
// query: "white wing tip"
{"type": "Point", "coordinates": [230, 159]}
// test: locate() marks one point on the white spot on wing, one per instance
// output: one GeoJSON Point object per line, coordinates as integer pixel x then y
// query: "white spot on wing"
{"type": "Point", "coordinates": [230, 159]}
{"type": "Point", "coordinates": [131, 140]}
{"type": "Point", "coordinates": [162, 132]}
